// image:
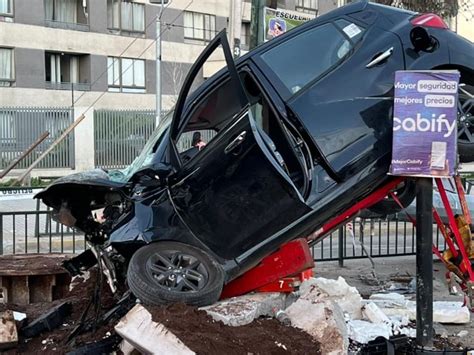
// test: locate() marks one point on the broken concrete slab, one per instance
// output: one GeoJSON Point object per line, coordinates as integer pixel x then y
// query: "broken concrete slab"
{"type": "Point", "coordinates": [8, 332]}
{"type": "Point", "coordinates": [347, 297]}
{"type": "Point", "coordinates": [389, 300]}
{"type": "Point", "coordinates": [139, 330]}
{"type": "Point", "coordinates": [443, 311]}
{"type": "Point", "coordinates": [323, 320]}
{"type": "Point", "coordinates": [375, 315]}
{"type": "Point", "coordinates": [243, 310]}
{"type": "Point", "coordinates": [363, 331]}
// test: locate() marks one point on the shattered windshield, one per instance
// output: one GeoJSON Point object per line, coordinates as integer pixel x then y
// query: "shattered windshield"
{"type": "Point", "coordinates": [146, 155]}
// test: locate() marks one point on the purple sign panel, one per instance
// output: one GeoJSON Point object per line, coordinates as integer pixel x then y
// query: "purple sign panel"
{"type": "Point", "coordinates": [424, 123]}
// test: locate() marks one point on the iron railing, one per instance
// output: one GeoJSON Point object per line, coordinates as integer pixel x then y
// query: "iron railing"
{"type": "Point", "coordinates": [372, 236]}
{"type": "Point", "coordinates": [36, 232]}
{"type": "Point", "coordinates": [120, 136]}
{"type": "Point", "coordinates": [20, 127]}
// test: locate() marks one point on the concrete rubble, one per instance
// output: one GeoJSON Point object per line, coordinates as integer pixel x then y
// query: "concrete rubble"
{"type": "Point", "coordinates": [139, 331]}
{"type": "Point", "coordinates": [443, 311]}
{"type": "Point", "coordinates": [244, 309]}
{"type": "Point", "coordinates": [331, 311]}
{"type": "Point", "coordinates": [8, 332]}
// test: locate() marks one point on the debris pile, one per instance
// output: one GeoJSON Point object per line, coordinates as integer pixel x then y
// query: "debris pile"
{"type": "Point", "coordinates": [323, 316]}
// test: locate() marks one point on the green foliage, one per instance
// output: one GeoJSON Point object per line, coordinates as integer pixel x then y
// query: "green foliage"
{"type": "Point", "coordinates": [444, 8]}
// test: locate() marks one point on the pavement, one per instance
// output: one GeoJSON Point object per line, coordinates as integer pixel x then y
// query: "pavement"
{"type": "Point", "coordinates": [358, 273]}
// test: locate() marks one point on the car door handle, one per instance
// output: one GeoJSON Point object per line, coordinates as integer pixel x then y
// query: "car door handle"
{"type": "Point", "coordinates": [380, 58]}
{"type": "Point", "coordinates": [235, 142]}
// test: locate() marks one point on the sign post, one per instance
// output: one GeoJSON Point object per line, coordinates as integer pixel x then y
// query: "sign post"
{"type": "Point", "coordinates": [424, 146]}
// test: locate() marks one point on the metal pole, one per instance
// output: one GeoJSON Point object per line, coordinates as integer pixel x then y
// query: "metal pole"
{"type": "Point", "coordinates": [24, 154]}
{"type": "Point", "coordinates": [341, 246]}
{"type": "Point", "coordinates": [51, 147]}
{"type": "Point", "coordinates": [158, 65]}
{"type": "Point", "coordinates": [256, 23]}
{"type": "Point", "coordinates": [424, 262]}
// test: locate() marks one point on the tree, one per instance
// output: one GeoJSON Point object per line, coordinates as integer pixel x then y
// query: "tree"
{"type": "Point", "coordinates": [445, 8]}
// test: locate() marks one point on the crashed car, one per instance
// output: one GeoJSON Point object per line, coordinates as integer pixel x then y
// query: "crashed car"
{"type": "Point", "coordinates": [287, 137]}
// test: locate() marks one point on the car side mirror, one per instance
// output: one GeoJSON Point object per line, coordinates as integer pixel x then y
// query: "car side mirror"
{"type": "Point", "coordinates": [153, 174]}
{"type": "Point", "coordinates": [421, 40]}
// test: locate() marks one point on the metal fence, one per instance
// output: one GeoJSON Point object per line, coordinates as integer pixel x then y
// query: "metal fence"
{"type": "Point", "coordinates": [36, 232]}
{"type": "Point", "coordinates": [372, 236]}
{"type": "Point", "coordinates": [120, 136]}
{"type": "Point", "coordinates": [20, 127]}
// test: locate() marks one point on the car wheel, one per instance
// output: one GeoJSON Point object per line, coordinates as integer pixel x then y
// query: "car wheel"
{"type": "Point", "coordinates": [466, 123]}
{"type": "Point", "coordinates": [169, 272]}
{"type": "Point", "coordinates": [406, 193]}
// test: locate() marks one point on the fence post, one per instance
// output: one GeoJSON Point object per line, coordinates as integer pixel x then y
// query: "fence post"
{"type": "Point", "coordinates": [341, 246]}
{"type": "Point", "coordinates": [84, 140]}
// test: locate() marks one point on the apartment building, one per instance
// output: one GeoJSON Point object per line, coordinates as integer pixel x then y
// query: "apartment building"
{"type": "Point", "coordinates": [66, 52]}
{"type": "Point", "coordinates": [100, 55]}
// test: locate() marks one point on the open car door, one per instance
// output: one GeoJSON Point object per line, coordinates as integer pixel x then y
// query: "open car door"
{"type": "Point", "coordinates": [234, 193]}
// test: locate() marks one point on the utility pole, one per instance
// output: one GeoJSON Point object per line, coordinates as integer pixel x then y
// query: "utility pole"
{"type": "Point", "coordinates": [235, 26]}
{"type": "Point", "coordinates": [158, 58]}
{"type": "Point", "coordinates": [256, 23]}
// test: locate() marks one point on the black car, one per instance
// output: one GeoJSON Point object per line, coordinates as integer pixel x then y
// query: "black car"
{"type": "Point", "coordinates": [287, 137]}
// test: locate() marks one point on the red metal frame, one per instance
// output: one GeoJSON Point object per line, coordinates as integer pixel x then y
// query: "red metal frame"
{"type": "Point", "coordinates": [371, 200]}
{"type": "Point", "coordinates": [293, 258]}
{"type": "Point", "coordinates": [462, 199]}
{"type": "Point", "coordinates": [465, 263]}
{"type": "Point", "coordinates": [285, 269]}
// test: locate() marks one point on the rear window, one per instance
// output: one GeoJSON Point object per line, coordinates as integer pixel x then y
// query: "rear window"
{"type": "Point", "coordinates": [305, 57]}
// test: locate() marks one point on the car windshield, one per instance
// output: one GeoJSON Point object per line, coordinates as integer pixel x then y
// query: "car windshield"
{"type": "Point", "coordinates": [146, 155]}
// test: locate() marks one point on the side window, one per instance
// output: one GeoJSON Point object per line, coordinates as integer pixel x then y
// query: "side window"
{"type": "Point", "coordinates": [210, 116]}
{"type": "Point", "coordinates": [307, 56]}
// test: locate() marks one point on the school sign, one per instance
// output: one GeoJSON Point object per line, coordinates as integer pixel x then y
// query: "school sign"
{"type": "Point", "coordinates": [278, 21]}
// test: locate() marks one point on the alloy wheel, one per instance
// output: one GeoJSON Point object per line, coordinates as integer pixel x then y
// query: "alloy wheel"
{"type": "Point", "coordinates": [177, 271]}
{"type": "Point", "coordinates": [466, 114]}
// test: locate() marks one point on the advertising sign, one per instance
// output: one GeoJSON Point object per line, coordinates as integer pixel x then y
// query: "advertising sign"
{"type": "Point", "coordinates": [279, 21]}
{"type": "Point", "coordinates": [424, 123]}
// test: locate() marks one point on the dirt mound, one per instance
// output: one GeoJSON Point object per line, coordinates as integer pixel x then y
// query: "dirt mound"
{"type": "Point", "coordinates": [55, 341]}
{"type": "Point", "coordinates": [195, 328]}
{"type": "Point", "coordinates": [205, 336]}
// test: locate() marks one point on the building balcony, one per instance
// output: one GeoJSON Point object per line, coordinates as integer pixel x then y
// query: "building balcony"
{"type": "Point", "coordinates": [67, 86]}
{"type": "Point", "coordinates": [67, 25]}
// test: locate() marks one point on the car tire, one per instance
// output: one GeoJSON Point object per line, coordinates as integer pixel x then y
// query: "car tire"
{"type": "Point", "coordinates": [170, 272]}
{"type": "Point", "coordinates": [406, 193]}
{"type": "Point", "coordinates": [466, 123]}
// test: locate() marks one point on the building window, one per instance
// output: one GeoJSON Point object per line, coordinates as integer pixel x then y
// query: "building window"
{"type": "Point", "coordinates": [125, 16]}
{"type": "Point", "coordinates": [66, 71]}
{"type": "Point", "coordinates": [7, 68]}
{"type": "Point", "coordinates": [307, 6]}
{"type": "Point", "coordinates": [69, 14]}
{"type": "Point", "coordinates": [6, 10]}
{"type": "Point", "coordinates": [126, 75]}
{"type": "Point", "coordinates": [199, 26]}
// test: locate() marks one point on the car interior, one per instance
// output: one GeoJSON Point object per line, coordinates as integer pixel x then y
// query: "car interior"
{"type": "Point", "coordinates": [218, 109]}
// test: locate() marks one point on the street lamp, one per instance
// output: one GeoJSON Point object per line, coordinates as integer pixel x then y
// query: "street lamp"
{"type": "Point", "coordinates": [158, 57]}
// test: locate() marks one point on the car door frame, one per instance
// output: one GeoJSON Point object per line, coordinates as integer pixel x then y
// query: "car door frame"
{"type": "Point", "coordinates": [178, 124]}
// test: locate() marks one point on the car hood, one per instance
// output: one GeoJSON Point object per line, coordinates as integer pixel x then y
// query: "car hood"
{"type": "Point", "coordinates": [92, 178]}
